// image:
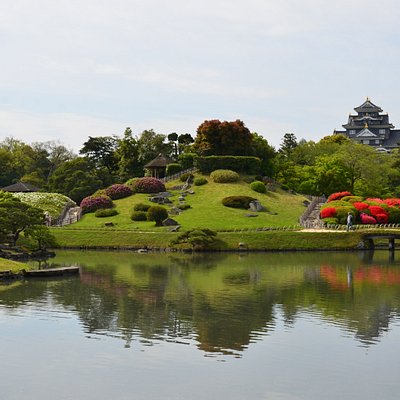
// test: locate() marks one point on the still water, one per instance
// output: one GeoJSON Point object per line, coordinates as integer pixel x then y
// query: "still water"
{"type": "Point", "coordinates": [209, 326]}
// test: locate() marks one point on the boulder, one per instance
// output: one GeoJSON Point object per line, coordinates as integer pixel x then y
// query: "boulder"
{"type": "Point", "coordinates": [256, 206]}
{"type": "Point", "coordinates": [170, 222]}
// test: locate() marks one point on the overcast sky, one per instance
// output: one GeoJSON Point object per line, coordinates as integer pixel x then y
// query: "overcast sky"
{"type": "Point", "coordinates": [73, 69]}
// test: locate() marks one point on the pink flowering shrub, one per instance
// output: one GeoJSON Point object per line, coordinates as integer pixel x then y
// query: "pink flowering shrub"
{"type": "Point", "coordinates": [328, 212]}
{"type": "Point", "coordinates": [367, 219]}
{"type": "Point", "coordinates": [374, 200]}
{"type": "Point", "coordinates": [148, 185]}
{"type": "Point", "coordinates": [118, 191]}
{"type": "Point", "coordinates": [93, 203]}
{"type": "Point", "coordinates": [360, 205]}
{"type": "Point", "coordinates": [338, 196]}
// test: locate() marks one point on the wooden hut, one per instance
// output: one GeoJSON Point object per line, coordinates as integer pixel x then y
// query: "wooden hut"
{"type": "Point", "coordinates": [19, 187]}
{"type": "Point", "coordinates": [158, 166]}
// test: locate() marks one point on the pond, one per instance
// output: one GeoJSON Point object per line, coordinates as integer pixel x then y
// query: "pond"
{"type": "Point", "coordinates": [276, 326]}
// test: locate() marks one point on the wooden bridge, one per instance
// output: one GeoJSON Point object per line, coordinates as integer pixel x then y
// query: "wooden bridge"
{"type": "Point", "coordinates": [370, 239]}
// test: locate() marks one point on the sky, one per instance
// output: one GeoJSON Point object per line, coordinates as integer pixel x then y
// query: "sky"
{"type": "Point", "coordinates": [74, 69]}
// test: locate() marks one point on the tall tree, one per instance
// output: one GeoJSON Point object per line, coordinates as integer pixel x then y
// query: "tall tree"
{"type": "Point", "coordinates": [289, 143]}
{"type": "Point", "coordinates": [127, 154]}
{"type": "Point", "coordinates": [265, 152]}
{"type": "Point", "coordinates": [150, 144]}
{"type": "Point", "coordinates": [223, 138]}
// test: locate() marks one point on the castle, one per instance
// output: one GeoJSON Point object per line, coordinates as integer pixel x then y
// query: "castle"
{"type": "Point", "coordinates": [371, 126]}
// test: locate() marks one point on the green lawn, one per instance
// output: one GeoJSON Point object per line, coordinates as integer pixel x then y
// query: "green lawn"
{"type": "Point", "coordinates": [207, 210]}
{"type": "Point", "coordinates": [14, 266]}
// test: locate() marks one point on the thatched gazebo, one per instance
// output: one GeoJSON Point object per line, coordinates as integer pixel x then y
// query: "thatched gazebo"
{"type": "Point", "coordinates": [20, 187]}
{"type": "Point", "coordinates": [158, 166]}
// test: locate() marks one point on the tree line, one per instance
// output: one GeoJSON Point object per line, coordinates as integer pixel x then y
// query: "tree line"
{"type": "Point", "coordinates": [332, 164]}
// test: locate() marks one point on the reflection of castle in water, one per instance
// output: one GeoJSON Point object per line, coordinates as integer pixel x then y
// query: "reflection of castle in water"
{"type": "Point", "coordinates": [227, 304]}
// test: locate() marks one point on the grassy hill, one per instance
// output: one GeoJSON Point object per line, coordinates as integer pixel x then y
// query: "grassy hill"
{"type": "Point", "coordinates": [206, 210]}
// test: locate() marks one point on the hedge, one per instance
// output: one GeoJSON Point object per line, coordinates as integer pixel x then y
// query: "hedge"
{"type": "Point", "coordinates": [241, 164]}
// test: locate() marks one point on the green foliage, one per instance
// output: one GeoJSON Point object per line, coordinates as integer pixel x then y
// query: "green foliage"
{"type": "Point", "coordinates": [241, 164]}
{"type": "Point", "coordinates": [200, 181]}
{"type": "Point", "coordinates": [331, 221]}
{"type": "Point", "coordinates": [199, 239]}
{"type": "Point", "coordinates": [157, 214]}
{"type": "Point", "coordinates": [138, 216]}
{"type": "Point", "coordinates": [342, 212]}
{"type": "Point", "coordinates": [184, 206]}
{"type": "Point", "coordinates": [237, 201]}
{"type": "Point", "coordinates": [41, 235]}
{"type": "Point", "coordinates": [141, 207]}
{"type": "Point", "coordinates": [187, 160]}
{"type": "Point", "coordinates": [258, 187]}
{"type": "Point", "coordinates": [224, 176]}
{"type": "Point", "coordinates": [185, 177]}
{"type": "Point", "coordinates": [223, 138]}
{"type": "Point", "coordinates": [394, 215]}
{"type": "Point", "coordinates": [106, 212]}
{"type": "Point", "coordinates": [173, 169]}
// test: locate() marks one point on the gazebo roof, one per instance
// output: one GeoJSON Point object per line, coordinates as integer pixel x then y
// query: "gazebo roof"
{"type": "Point", "coordinates": [20, 187]}
{"type": "Point", "coordinates": [159, 162]}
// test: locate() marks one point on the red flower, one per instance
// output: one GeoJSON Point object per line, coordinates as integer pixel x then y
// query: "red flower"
{"type": "Point", "coordinates": [360, 205]}
{"type": "Point", "coordinates": [328, 212]}
{"type": "Point", "coordinates": [375, 210]}
{"type": "Point", "coordinates": [367, 219]}
{"type": "Point", "coordinates": [338, 196]}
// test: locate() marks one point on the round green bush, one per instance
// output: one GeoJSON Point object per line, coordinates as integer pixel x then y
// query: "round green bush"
{"type": "Point", "coordinates": [258, 187]}
{"type": "Point", "coordinates": [237, 201]}
{"type": "Point", "coordinates": [224, 176]}
{"type": "Point", "coordinates": [200, 181]}
{"type": "Point", "coordinates": [107, 212]}
{"type": "Point", "coordinates": [157, 214]}
{"type": "Point", "coordinates": [141, 207]}
{"type": "Point", "coordinates": [138, 216]}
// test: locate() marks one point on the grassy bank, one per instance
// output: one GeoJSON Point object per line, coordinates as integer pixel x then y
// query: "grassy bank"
{"type": "Point", "coordinates": [13, 266]}
{"type": "Point", "coordinates": [268, 240]}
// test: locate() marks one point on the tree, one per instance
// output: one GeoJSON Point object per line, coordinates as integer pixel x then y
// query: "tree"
{"type": "Point", "coordinates": [127, 154]}
{"type": "Point", "coordinates": [265, 152]}
{"type": "Point", "coordinates": [289, 143]}
{"type": "Point", "coordinates": [16, 216]}
{"type": "Point", "coordinates": [173, 138]}
{"type": "Point", "coordinates": [184, 142]}
{"type": "Point", "coordinates": [157, 214]}
{"type": "Point", "coordinates": [150, 144]}
{"type": "Point", "coordinates": [101, 150]}
{"type": "Point", "coordinates": [42, 235]}
{"type": "Point", "coordinates": [223, 138]}
{"type": "Point", "coordinates": [76, 179]}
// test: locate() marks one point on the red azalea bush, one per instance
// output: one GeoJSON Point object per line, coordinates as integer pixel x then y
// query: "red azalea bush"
{"type": "Point", "coordinates": [374, 200]}
{"type": "Point", "coordinates": [328, 212]}
{"type": "Point", "coordinates": [148, 185]}
{"type": "Point", "coordinates": [375, 210]}
{"type": "Point", "coordinates": [360, 205]}
{"type": "Point", "coordinates": [118, 191]}
{"type": "Point", "coordinates": [367, 219]}
{"type": "Point", "coordinates": [338, 196]}
{"type": "Point", "coordinates": [382, 218]}
{"type": "Point", "coordinates": [392, 202]}
{"type": "Point", "coordinates": [93, 203]}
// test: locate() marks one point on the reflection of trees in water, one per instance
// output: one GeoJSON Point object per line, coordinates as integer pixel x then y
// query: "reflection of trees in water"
{"type": "Point", "coordinates": [223, 304]}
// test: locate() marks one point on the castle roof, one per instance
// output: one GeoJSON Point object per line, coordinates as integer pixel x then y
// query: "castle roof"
{"type": "Point", "coordinates": [368, 107]}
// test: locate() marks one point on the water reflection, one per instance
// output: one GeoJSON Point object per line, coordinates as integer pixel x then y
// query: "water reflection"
{"type": "Point", "coordinates": [222, 303]}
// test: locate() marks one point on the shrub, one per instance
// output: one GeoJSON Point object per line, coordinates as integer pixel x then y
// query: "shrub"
{"type": "Point", "coordinates": [199, 239]}
{"type": "Point", "coordinates": [224, 176]}
{"type": "Point", "coordinates": [342, 212]}
{"type": "Point", "coordinates": [338, 196]}
{"type": "Point", "coordinates": [200, 181]}
{"type": "Point", "coordinates": [375, 210]}
{"type": "Point", "coordinates": [360, 205]}
{"type": "Point", "coordinates": [328, 212]}
{"type": "Point", "coordinates": [141, 207]}
{"type": "Point", "coordinates": [392, 202]}
{"type": "Point", "coordinates": [258, 187]}
{"type": "Point", "coordinates": [184, 206]}
{"type": "Point", "coordinates": [93, 203]}
{"type": "Point", "coordinates": [105, 212]}
{"type": "Point", "coordinates": [138, 216]}
{"type": "Point", "coordinates": [149, 185]}
{"type": "Point", "coordinates": [185, 177]}
{"type": "Point", "coordinates": [187, 160]}
{"type": "Point", "coordinates": [394, 215]}
{"type": "Point", "coordinates": [367, 219]}
{"type": "Point", "coordinates": [352, 199]}
{"type": "Point", "coordinates": [237, 201]}
{"type": "Point", "coordinates": [330, 221]}
{"type": "Point", "coordinates": [173, 169]}
{"type": "Point", "coordinates": [157, 214]}
{"type": "Point", "coordinates": [118, 191]}
{"type": "Point", "coordinates": [374, 200]}
{"type": "Point", "coordinates": [242, 164]}
{"type": "Point", "coordinates": [131, 183]}
{"type": "Point", "coordinates": [382, 218]}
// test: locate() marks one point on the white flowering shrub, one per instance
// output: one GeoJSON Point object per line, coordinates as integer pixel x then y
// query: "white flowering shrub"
{"type": "Point", "coordinates": [53, 203]}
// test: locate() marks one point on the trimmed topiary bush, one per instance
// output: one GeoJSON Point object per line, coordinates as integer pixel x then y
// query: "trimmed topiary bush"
{"type": "Point", "coordinates": [138, 216]}
{"type": "Point", "coordinates": [237, 201]}
{"type": "Point", "coordinates": [93, 203]}
{"type": "Point", "coordinates": [330, 221]}
{"type": "Point", "coordinates": [328, 212]}
{"type": "Point", "coordinates": [105, 212]}
{"type": "Point", "coordinates": [118, 191]}
{"type": "Point", "coordinates": [141, 207]}
{"type": "Point", "coordinates": [200, 181]}
{"type": "Point", "coordinates": [338, 196]}
{"type": "Point", "coordinates": [224, 176]}
{"type": "Point", "coordinates": [148, 185]}
{"type": "Point", "coordinates": [173, 169]}
{"type": "Point", "coordinates": [157, 214]}
{"type": "Point", "coordinates": [258, 187]}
